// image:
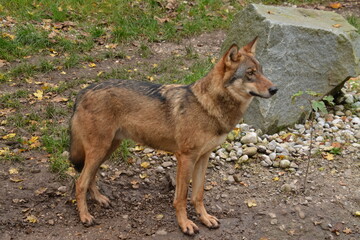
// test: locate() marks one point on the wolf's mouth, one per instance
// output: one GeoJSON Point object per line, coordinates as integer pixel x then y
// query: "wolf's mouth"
{"type": "Point", "coordinates": [255, 94]}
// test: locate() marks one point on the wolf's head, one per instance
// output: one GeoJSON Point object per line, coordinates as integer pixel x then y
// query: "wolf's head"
{"type": "Point", "coordinates": [243, 76]}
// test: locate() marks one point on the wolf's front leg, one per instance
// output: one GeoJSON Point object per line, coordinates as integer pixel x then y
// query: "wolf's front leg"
{"type": "Point", "coordinates": [197, 197]}
{"type": "Point", "coordinates": [183, 174]}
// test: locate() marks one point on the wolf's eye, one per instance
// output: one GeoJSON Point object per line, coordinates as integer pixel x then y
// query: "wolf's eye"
{"type": "Point", "coordinates": [252, 72]}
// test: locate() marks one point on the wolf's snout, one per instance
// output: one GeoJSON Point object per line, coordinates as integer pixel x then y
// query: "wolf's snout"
{"type": "Point", "coordinates": [273, 90]}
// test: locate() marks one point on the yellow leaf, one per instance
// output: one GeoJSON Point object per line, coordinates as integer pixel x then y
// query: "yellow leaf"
{"type": "Point", "coordinates": [63, 73]}
{"type": "Point", "coordinates": [92, 65]}
{"type": "Point", "coordinates": [336, 25]}
{"type": "Point", "coordinates": [335, 5]}
{"type": "Point", "coordinates": [328, 156]}
{"type": "Point", "coordinates": [39, 94]}
{"type": "Point", "coordinates": [40, 191]}
{"type": "Point", "coordinates": [10, 135]}
{"type": "Point", "coordinates": [31, 219]}
{"type": "Point", "coordinates": [33, 139]}
{"type": "Point", "coordinates": [7, 35]}
{"type": "Point", "coordinates": [138, 148]}
{"type": "Point", "coordinates": [104, 166]}
{"type": "Point", "coordinates": [276, 179]}
{"type": "Point", "coordinates": [357, 214]}
{"type": "Point", "coordinates": [13, 171]}
{"type": "Point", "coordinates": [16, 179]}
{"type": "Point", "coordinates": [145, 164]}
{"type": "Point", "coordinates": [143, 175]}
{"type": "Point", "coordinates": [99, 73]}
{"type": "Point", "coordinates": [251, 203]}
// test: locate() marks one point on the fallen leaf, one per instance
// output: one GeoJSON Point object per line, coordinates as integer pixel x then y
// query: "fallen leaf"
{"type": "Point", "coordinates": [31, 219]}
{"type": "Point", "coordinates": [328, 156]}
{"type": "Point", "coordinates": [357, 214]}
{"type": "Point", "coordinates": [58, 99]}
{"type": "Point", "coordinates": [40, 191]}
{"type": "Point", "coordinates": [251, 203]}
{"type": "Point", "coordinates": [347, 230]}
{"type": "Point", "coordinates": [8, 136]}
{"type": "Point", "coordinates": [13, 171]}
{"type": "Point", "coordinates": [336, 25]}
{"type": "Point", "coordinates": [145, 164]}
{"type": "Point", "coordinates": [276, 179]}
{"type": "Point", "coordinates": [92, 65]}
{"type": "Point", "coordinates": [39, 94]}
{"type": "Point", "coordinates": [335, 5]}
{"type": "Point", "coordinates": [16, 179]}
{"type": "Point", "coordinates": [143, 175]}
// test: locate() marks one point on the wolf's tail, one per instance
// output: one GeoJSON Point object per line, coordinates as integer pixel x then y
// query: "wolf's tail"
{"type": "Point", "coordinates": [77, 153]}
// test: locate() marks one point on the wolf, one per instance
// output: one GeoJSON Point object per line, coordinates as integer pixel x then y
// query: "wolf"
{"type": "Point", "coordinates": [187, 120]}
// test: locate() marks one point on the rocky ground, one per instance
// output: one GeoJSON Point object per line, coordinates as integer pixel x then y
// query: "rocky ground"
{"type": "Point", "coordinates": [255, 182]}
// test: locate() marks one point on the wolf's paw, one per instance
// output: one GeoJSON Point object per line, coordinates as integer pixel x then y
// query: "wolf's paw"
{"type": "Point", "coordinates": [88, 220]}
{"type": "Point", "coordinates": [210, 221]}
{"type": "Point", "coordinates": [189, 228]}
{"type": "Point", "coordinates": [102, 200]}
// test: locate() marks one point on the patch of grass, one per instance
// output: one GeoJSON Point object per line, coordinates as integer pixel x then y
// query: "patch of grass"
{"type": "Point", "coordinates": [55, 139]}
{"type": "Point", "coordinates": [23, 69]}
{"type": "Point", "coordinates": [198, 70]}
{"type": "Point", "coordinates": [355, 21]}
{"type": "Point", "coordinates": [52, 111]}
{"type": "Point", "coordinates": [71, 61]}
{"type": "Point", "coordinates": [123, 151]}
{"type": "Point", "coordinates": [59, 164]}
{"type": "Point", "coordinates": [12, 100]}
{"type": "Point", "coordinates": [46, 66]}
{"type": "Point", "coordinates": [13, 157]}
{"type": "Point", "coordinates": [145, 51]}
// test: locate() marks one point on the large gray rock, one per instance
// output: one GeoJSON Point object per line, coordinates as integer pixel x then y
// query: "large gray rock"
{"type": "Point", "coordinates": [299, 49]}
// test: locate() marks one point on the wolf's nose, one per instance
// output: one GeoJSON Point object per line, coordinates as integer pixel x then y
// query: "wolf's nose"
{"type": "Point", "coordinates": [273, 90]}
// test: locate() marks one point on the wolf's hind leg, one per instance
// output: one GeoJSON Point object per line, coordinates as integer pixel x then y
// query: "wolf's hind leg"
{"type": "Point", "coordinates": [94, 191]}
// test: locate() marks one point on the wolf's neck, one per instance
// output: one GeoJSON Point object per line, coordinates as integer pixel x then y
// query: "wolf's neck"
{"type": "Point", "coordinates": [217, 101]}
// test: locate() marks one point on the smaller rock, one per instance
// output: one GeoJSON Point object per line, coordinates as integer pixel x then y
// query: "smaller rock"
{"type": "Point", "coordinates": [243, 159]}
{"type": "Point", "coordinates": [349, 98]}
{"type": "Point", "coordinates": [272, 156]}
{"type": "Point", "coordinates": [250, 151]}
{"type": "Point", "coordinates": [230, 179]}
{"type": "Point", "coordinates": [62, 189]}
{"type": "Point", "coordinates": [272, 145]}
{"type": "Point", "coordinates": [293, 165]}
{"type": "Point", "coordinates": [51, 222]}
{"type": "Point", "coordinates": [161, 232]}
{"type": "Point", "coordinates": [237, 178]}
{"type": "Point", "coordinates": [284, 163]}
{"type": "Point", "coordinates": [250, 137]}
{"type": "Point", "coordinates": [167, 164]}
{"type": "Point", "coordinates": [148, 150]}
{"type": "Point", "coordinates": [261, 149]}
{"type": "Point", "coordinates": [286, 188]}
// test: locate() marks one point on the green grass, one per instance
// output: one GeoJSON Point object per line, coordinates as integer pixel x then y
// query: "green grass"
{"type": "Point", "coordinates": [12, 100]}
{"type": "Point", "coordinates": [112, 20]}
{"type": "Point", "coordinates": [355, 21]}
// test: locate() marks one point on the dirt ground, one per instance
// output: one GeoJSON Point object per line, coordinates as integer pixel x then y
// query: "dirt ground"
{"type": "Point", "coordinates": [36, 204]}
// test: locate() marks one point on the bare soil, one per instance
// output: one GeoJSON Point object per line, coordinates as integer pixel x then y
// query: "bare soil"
{"type": "Point", "coordinates": [36, 204]}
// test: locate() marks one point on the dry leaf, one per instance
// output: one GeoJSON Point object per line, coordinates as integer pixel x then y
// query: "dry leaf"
{"type": "Point", "coordinates": [347, 231]}
{"type": "Point", "coordinates": [8, 136]}
{"type": "Point", "coordinates": [145, 164]}
{"type": "Point", "coordinates": [16, 179]}
{"type": "Point", "coordinates": [328, 156]}
{"type": "Point", "coordinates": [31, 219]}
{"type": "Point", "coordinates": [39, 94]}
{"type": "Point", "coordinates": [13, 171]}
{"type": "Point", "coordinates": [92, 65]}
{"type": "Point", "coordinates": [335, 5]}
{"type": "Point", "coordinates": [40, 191]}
{"type": "Point", "coordinates": [251, 203]}
{"type": "Point", "coordinates": [336, 25]}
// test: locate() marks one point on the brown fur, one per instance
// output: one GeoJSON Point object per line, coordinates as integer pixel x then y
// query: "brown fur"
{"type": "Point", "coordinates": [189, 121]}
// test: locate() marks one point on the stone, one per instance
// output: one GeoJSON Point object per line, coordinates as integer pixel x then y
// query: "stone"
{"type": "Point", "coordinates": [250, 137]}
{"type": "Point", "coordinates": [299, 49]}
{"type": "Point", "coordinates": [243, 159]}
{"type": "Point", "coordinates": [250, 151]}
{"type": "Point", "coordinates": [167, 164]}
{"type": "Point", "coordinates": [284, 163]}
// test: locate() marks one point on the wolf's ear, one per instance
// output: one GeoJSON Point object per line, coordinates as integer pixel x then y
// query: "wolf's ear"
{"type": "Point", "coordinates": [232, 55]}
{"type": "Point", "coordinates": [251, 46]}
